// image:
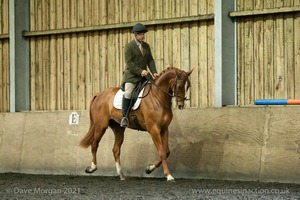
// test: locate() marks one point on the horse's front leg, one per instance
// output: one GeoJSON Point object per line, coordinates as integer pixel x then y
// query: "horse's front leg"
{"type": "Point", "coordinates": [160, 140]}
{"type": "Point", "coordinates": [165, 137]}
{"type": "Point", "coordinates": [119, 138]}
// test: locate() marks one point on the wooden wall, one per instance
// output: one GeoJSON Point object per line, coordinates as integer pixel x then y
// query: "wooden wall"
{"type": "Point", "coordinates": [4, 57]}
{"type": "Point", "coordinates": [268, 52]}
{"type": "Point", "coordinates": [68, 69]}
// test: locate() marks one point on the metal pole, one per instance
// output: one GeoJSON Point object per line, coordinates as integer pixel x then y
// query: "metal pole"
{"type": "Point", "coordinates": [19, 55]}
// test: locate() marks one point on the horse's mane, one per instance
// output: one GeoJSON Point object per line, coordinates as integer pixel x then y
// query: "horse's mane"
{"type": "Point", "coordinates": [171, 68]}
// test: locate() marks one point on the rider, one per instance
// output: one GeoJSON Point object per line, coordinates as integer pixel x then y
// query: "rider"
{"type": "Point", "coordinates": [138, 57]}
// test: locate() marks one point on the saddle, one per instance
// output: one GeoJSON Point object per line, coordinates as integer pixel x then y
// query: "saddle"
{"type": "Point", "coordinates": [136, 95]}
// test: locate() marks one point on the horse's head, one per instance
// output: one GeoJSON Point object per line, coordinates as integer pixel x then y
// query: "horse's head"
{"type": "Point", "coordinates": [180, 86]}
{"type": "Point", "coordinates": [175, 83]}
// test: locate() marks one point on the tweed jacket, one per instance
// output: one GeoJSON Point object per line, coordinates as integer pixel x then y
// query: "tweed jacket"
{"type": "Point", "coordinates": [136, 62]}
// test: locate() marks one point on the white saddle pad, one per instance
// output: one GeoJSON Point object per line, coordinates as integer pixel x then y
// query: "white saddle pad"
{"type": "Point", "coordinates": [119, 96]}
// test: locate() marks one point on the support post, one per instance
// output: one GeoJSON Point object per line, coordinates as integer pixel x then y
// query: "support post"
{"type": "Point", "coordinates": [19, 55]}
{"type": "Point", "coordinates": [225, 54]}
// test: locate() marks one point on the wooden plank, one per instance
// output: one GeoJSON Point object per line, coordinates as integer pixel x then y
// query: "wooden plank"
{"type": "Point", "coordinates": [32, 16]}
{"type": "Point", "coordinates": [297, 50]}
{"type": "Point", "coordinates": [210, 56]}
{"type": "Point", "coordinates": [4, 36]}
{"type": "Point", "coordinates": [112, 61]}
{"type": "Point", "coordinates": [142, 8]}
{"type": "Point", "coordinates": [258, 53]}
{"type": "Point", "coordinates": [151, 10]}
{"type": "Point", "coordinates": [119, 26]}
{"type": "Point", "coordinates": [118, 66]}
{"type": "Point", "coordinates": [103, 46]}
{"type": "Point", "coordinates": [265, 11]}
{"type": "Point", "coordinates": [88, 21]}
{"type": "Point", "coordinates": [280, 77]}
{"type": "Point", "coordinates": [185, 52]}
{"type": "Point", "coordinates": [111, 12]}
{"type": "Point", "coordinates": [203, 60]}
{"type": "Point", "coordinates": [66, 56]}
{"type": "Point", "coordinates": [5, 16]}
{"type": "Point", "coordinates": [289, 51]}
{"type": "Point", "coordinates": [203, 65]}
{"type": "Point", "coordinates": [248, 64]}
{"type": "Point", "coordinates": [53, 74]}
{"type": "Point", "coordinates": [88, 84]}
{"type": "Point", "coordinates": [53, 60]}
{"type": "Point", "coordinates": [1, 18]}
{"type": "Point", "coordinates": [150, 39]}
{"type": "Point", "coordinates": [60, 58]}
{"type": "Point", "coordinates": [168, 51]}
{"type": "Point", "coordinates": [81, 57]}
{"type": "Point", "coordinates": [166, 10]}
{"type": "Point", "coordinates": [46, 74]}
{"type": "Point", "coordinates": [133, 7]}
{"type": "Point", "coordinates": [194, 63]}
{"type": "Point", "coordinates": [241, 56]}
{"type": "Point", "coordinates": [158, 48]}
{"type": "Point", "coordinates": [117, 12]}
{"type": "Point", "coordinates": [45, 59]}
{"type": "Point", "coordinates": [125, 10]}
{"type": "Point", "coordinates": [39, 57]}
{"type": "Point", "coordinates": [268, 53]}
{"type": "Point", "coordinates": [176, 42]}
{"type": "Point", "coordinates": [32, 59]}
{"type": "Point", "coordinates": [6, 76]}
{"type": "Point", "coordinates": [2, 74]}
{"type": "Point", "coordinates": [194, 7]}
{"type": "Point", "coordinates": [73, 59]}
{"type": "Point", "coordinates": [95, 51]}
{"type": "Point", "coordinates": [104, 60]}
{"type": "Point", "coordinates": [103, 11]}
{"type": "Point", "coordinates": [2, 102]}
{"type": "Point", "coordinates": [38, 74]}
{"type": "Point", "coordinates": [66, 14]}
{"type": "Point", "coordinates": [184, 8]}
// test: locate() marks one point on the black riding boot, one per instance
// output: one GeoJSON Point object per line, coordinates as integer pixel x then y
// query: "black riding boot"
{"type": "Point", "coordinates": [125, 106]}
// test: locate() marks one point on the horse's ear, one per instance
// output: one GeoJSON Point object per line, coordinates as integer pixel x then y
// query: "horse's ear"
{"type": "Point", "coordinates": [189, 72]}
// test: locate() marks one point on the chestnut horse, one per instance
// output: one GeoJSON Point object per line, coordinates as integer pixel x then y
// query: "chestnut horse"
{"type": "Point", "coordinates": [154, 115]}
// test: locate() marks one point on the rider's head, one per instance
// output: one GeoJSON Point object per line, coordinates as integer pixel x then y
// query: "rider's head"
{"type": "Point", "coordinates": [139, 31]}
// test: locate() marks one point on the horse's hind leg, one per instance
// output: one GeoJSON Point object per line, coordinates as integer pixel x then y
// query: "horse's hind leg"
{"type": "Point", "coordinates": [99, 132]}
{"type": "Point", "coordinates": [119, 138]}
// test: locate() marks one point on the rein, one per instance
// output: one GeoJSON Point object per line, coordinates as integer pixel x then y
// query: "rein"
{"type": "Point", "coordinates": [173, 94]}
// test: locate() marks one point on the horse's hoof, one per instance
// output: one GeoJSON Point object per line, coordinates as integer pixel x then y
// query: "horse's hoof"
{"type": "Point", "coordinates": [170, 178]}
{"type": "Point", "coordinates": [150, 168]}
{"type": "Point", "coordinates": [90, 170]}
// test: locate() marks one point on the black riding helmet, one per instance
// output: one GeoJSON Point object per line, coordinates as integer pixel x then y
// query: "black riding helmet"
{"type": "Point", "coordinates": [139, 28]}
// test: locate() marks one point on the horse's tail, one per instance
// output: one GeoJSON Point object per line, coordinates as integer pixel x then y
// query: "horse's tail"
{"type": "Point", "coordinates": [88, 138]}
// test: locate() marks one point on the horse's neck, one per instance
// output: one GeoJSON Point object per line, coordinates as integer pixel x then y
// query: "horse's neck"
{"type": "Point", "coordinates": [164, 81]}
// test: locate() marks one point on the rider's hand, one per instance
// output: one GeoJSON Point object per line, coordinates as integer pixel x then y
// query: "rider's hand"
{"type": "Point", "coordinates": [155, 75]}
{"type": "Point", "coordinates": [144, 73]}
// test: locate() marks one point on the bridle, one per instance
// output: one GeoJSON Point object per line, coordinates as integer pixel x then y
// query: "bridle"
{"type": "Point", "coordinates": [172, 94]}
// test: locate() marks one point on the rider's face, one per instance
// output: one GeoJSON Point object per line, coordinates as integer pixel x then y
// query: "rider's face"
{"type": "Point", "coordinates": [140, 37]}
